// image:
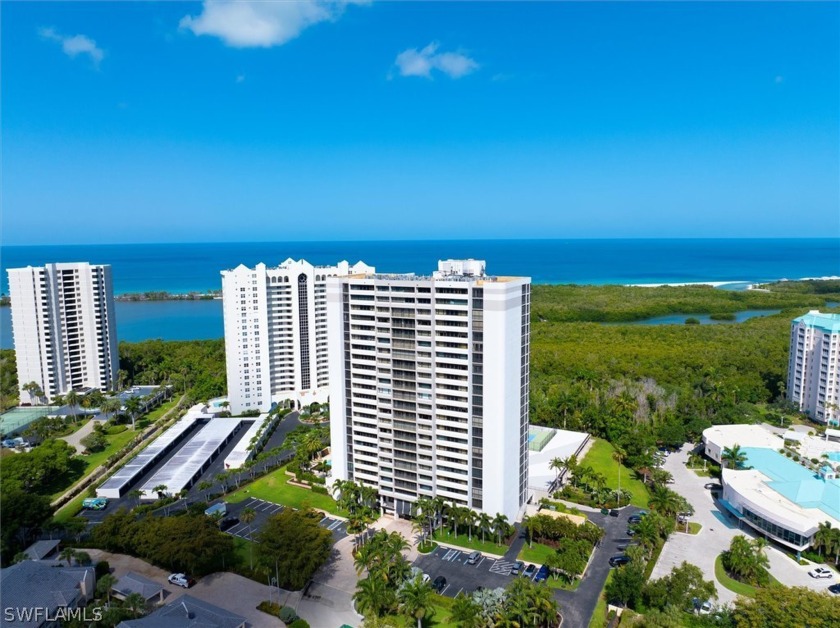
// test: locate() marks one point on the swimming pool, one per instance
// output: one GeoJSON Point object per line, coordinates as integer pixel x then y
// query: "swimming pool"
{"type": "Point", "coordinates": [834, 456]}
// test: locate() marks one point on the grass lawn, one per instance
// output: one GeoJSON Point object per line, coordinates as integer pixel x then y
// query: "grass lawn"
{"type": "Point", "coordinates": [274, 487]}
{"type": "Point", "coordinates": [536, 554]}
{"type": "Point", "coordinates": [439, 617]}
{"type": "Point", "coordinates": [599, 616]}
{"type": "Point", "coordinates": [733, 585]}
{"type": "Point", "coordinates": [599, 457]}
{"type": "Point", "coordinates": [703, 473]}
{"type": "Point", "coordinates": [116, 442]}
{"type": "Point", "coordinates": [693, 527]}
{"type": "Point", "coordinates": [489, 545]}
{"type": "Point", "coordinates": [70, 509]}
{"type": "Point", "coordinates": [155, 414]}
{"type": "Point", "coordinates": [427, 547]}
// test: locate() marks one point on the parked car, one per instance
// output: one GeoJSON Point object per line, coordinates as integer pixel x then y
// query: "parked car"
{"type": "Point", "coordinates": [835, 589]}
{"type": "Point", "coordinates": [631, 531]}
{"type": "Point", "coordinates": [517, 568]}
{"type": "Point", "coordinates": [416, 571]}
{"type": "Point", "coordinates": [634, 519]}
{"type": "Point", "coordinates": [713, 486]}
{"type": "Point", "coordinates": [702, 608]}
{"type": "Point", "coordinates": [542, 574]}
{"type": "Point", "coordinates": [821, 572]}
{"type": "Point", "coordinates": [613, 512]}
{"type": "Point", "coordinates": [227, 523]}
{"type": "Point", "coordinates": [620, 559]}
{"type": "Point", "coordinates": [439, 584]}
{"type": "Point", "coordinates": [473, 558]}
{"type": "Point", "coordinates": [624, 546]}
{"type": "Point", "coordinates": [181, 580]}
{"type": "Point", "coordinates": [529, 572]}
{"type": "Point", "coordinates": [95, 503]}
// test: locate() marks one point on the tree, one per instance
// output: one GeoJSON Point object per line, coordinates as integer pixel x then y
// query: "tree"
{"type": "Point", "coordinates": [822, 538]}
{"type": "Point", "coordinates": [373, 596]}
{"type": "Point", "coordinates": [94, 441]}
{"type": "Point", "coordinates": [35, 391]}
{"type": "Point", "coordinates": [466, 612]}
{"type": "Point", "coordinates": [485, 524]}
{"type": "Point", "coordinates": [110, 407]}
{"type": "Point", "coordinates": [746, 561]}
{"type": "Point", "coordinates": [72, 399]}
{"type": "Point", "coordinates": [132, 406]}
{"type": "Point", "coordinates": [136, 495]}
{"type": "Point", "coordinates": [135, 604]}
{"type": "Point", "coordinates": [415, 598]}
{"type": "Point", "coordinates": [247, 517]}
{"type": "Point", "coordinates": [68, 554]}
{"type": "Point", "coordinates": [293, 545]}
{"type": "Point", "coordinates": [204, 486]}
{"type": "Point", "coordinates": [626, 585]}
{"type": "Point", "coordinates": [680, 588]}
{"type": "Point", "coordinates": [786, 606]}
{"type": "Point", "coordinates": [618, 455]}
{"type": "Point", "coordinates": [733, 457]}
{"type": "Point", "coordinates": [500, 525]}
{"type": "Point", "coordinates": [104, 586]}
{"type": "Point", "coordinates": [664, 500]}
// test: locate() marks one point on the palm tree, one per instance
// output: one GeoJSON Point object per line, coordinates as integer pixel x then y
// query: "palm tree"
{"type": "Point", "coordinates": [247, 517]}
{"type": "Point", "coordinates": [416, 599]}
{"type": "Point", "coordinates": [104, 585]}
{"type": "Point", "coordinates": [485, 524]}
{"type": "Point", "coordinates": [466, 612]}
{"type": "Point", "coordinates": [618, 455]}
{"type": "Point", "coordinates": [160, 489]}
{"type": "Point", "coordinates": [468, 518]}
{"type": "Point", "coordinates": [111, 407]}
{"type": "Point", "coordinates": [222, 479]}
{"type": "Point", "coordinates": [72, 399]}
{"type": "Point", "coordinates": [557, 464]}
{"type": "Point", "coordinates": [822, 538]}
{"type": "Point", "coordinates": [132, 406]}
{"type": "Point", "coordinates": [68, 554]}
{"type": "Point", "coordinates": [733, 457]}
{"type": "Point", "coordinates": [372, 596]}
{"type": "Point", "coordinates": [664, 500]}
{"type": "Point", "coordinates": [500, 524]}
{"type": "Point", "coordinates": [204, 486]}
{"type": "Point", "coordinates": [135, 603]}
{"type": "Point", "coordinates": [136, 494]}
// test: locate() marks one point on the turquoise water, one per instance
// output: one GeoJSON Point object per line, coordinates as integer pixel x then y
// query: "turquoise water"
{"type": "Point", "coordinates": [795, 482]}
{"type": "Point", "coordinates": [834, 456]}
{"type": "Point", "coordinates": [531, 436]}
{"type": "Point", "coordinates": [705, 319]}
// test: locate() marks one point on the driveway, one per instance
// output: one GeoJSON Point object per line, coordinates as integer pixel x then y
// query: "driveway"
{"type": "Point", "coordinates": [75, 439]}
{"type": "Point", "coordinates": [227, 590]}
{"type": "Point", "coordinates": [718, 530]}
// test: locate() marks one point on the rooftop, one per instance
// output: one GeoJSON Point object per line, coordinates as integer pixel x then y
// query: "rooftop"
{"type": "Point", "coordinates": [187, 612]}
{"type": "Point", "coordinates": [135, 583]}
{"type": "Point", "coordinates": [826, 322]}
{"type": "Point", "coordinates": [41, 549]}
{"type": "Point", "coordinates": [34, 584]}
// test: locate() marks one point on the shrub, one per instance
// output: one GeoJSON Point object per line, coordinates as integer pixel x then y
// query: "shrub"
{"type": "Point", "coordinates": [287, 615]}
{"type": "Point", "coordinates": [796, 457]}
{"type": "Point", "coordinates": [102, 568]}
{"type": "Point", "coordinates": [815, 460]}
{"type": "Point", "coordinates": [692, 321]}
{"type": "Point", "coordinates": [321, 490]}
{"type": "Point", "coordinates": [299, 623]}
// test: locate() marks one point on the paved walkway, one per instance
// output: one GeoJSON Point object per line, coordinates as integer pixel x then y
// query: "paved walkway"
{"type": "Point", "coordinates": [75, 439]}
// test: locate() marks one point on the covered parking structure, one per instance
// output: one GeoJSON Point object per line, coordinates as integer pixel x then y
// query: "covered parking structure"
{"type": "Point", "coordinates": [119, 484]}
{"type": "Point", "coordinates": [192, 459]}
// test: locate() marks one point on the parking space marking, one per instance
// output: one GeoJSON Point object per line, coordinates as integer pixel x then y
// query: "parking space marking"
{"type": "Point", "coordinates": [483, 558]}
{"type": "Point", "coordinates": [452, 555]}
{"type": "Point", "coordinates": [237, 528]}
{"type": "Point", "coordinates": [337, 523]}
{"type": "Point", "coordinates": [444, 589]}
{"type": "Point", "coordinates": [501, 567]}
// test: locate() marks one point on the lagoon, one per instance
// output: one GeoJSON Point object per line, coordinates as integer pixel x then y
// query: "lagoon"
{"type": "Point", "coordinates": [705, 319]}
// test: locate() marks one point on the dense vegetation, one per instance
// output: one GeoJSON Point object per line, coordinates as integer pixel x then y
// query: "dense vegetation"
{"type": "Point", "coordinates": [577, 303]}
{"type": "Point", "coordinates": [8, 379]}
{"type": "Point", "coordinates": [193, 366]}
{"type": "Point", "coordinates": [293, 546]}
{"type": "Point", "coordinates": [825, 287]}
{"type": "Point", "coordinates": [189, 542]}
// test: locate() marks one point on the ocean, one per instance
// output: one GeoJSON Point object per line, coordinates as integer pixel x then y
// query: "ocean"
{"type": "Point", "coordinates": [182, 268]}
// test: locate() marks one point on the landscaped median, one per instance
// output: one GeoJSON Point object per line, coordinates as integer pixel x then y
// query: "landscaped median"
{"type": "Point", "coordinates": [463, 541]}
{"type": "Point", "coordinates": [741, 588]}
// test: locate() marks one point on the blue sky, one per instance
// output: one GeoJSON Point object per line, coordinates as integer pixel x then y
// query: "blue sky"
{"type": "Point", "coordinates": [142, 122]}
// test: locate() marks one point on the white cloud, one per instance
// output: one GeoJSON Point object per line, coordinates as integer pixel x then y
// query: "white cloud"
{"type": "Point", "coordinates": [261, 24]}
{"type": "Point", "coordinates": [75, 45]}
{"type": "Point", "coordinates": [414, 62]}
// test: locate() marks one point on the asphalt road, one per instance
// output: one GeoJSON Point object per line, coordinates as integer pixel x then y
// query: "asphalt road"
{"type": "Point", "coordinates": [577, 606]}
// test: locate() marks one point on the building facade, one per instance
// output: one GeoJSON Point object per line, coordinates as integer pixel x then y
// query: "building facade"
{"type": "Point", "coordinates": [813, 370]}
{"type": "Point", "coordinates": [276, 332]}
{"type": "Point", "coordinates": [64, 329]}
{"type": "Point", "coordinates": [430, 381]}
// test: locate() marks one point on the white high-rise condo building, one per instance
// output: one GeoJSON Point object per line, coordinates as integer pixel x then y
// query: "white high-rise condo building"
{"type": "Point", "coordinates": [430, 379]}
{"type": "Point", "coordinates": [64, 329]}
{"type": "Point", "coordinates": [813, 372]}
{"type": "Point", "coordinates": [276, 332]}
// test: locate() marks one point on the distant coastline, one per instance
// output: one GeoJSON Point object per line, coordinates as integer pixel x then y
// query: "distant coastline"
{"type": "Point", "coordinates": [163, 295]}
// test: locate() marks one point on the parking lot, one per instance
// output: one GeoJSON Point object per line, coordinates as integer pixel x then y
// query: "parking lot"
{"type": "Point", "coordinates": [264, 509]}
{"type": "Point", "coordinates": [451, 564]}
